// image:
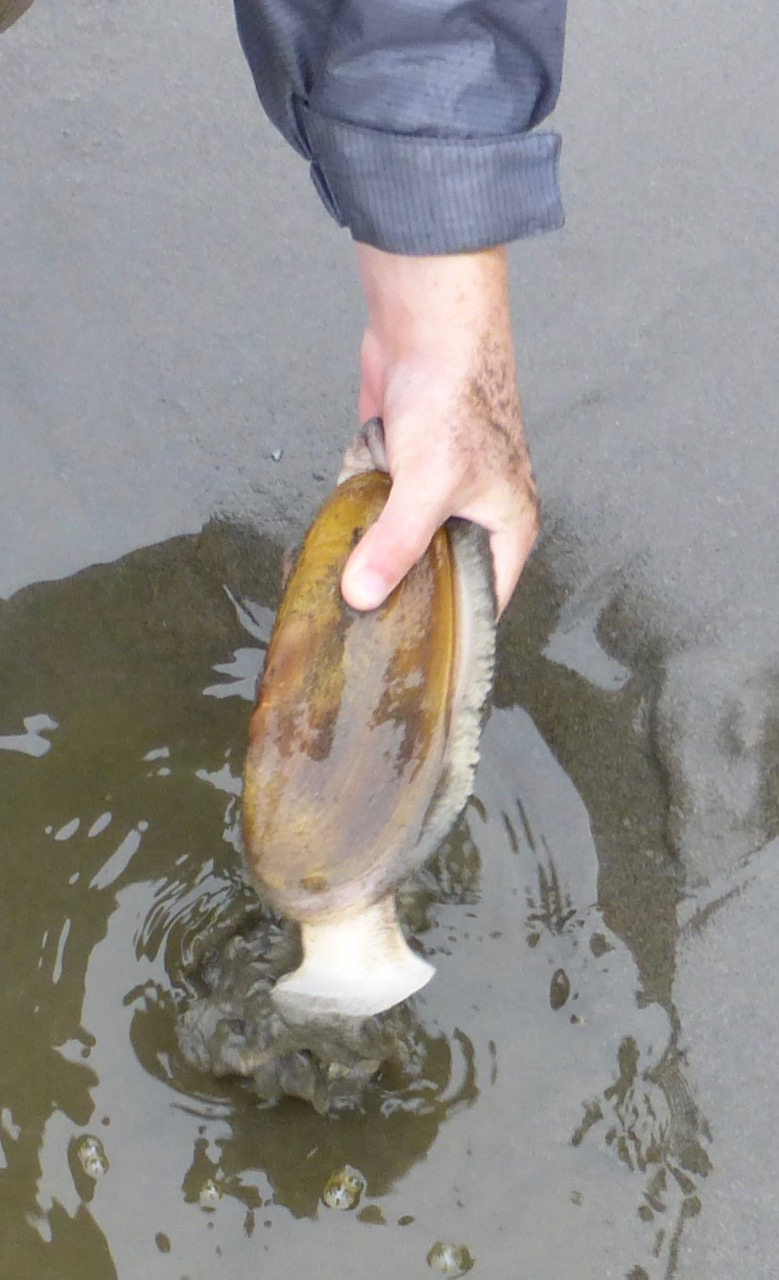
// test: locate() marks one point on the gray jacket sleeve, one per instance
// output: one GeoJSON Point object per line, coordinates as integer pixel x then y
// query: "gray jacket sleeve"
{"type": "Point", "coordinates": [416, 115]}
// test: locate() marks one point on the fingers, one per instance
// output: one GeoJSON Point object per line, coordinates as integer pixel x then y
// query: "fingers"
{"type": "Point", "coordinates": [392, 545]}
{"type": "Point", "coordinates": [510, 550]}
{"type": "Point", "coordinates": [403, 532]}
{"type": "Point", "coordinates": [428, 487]}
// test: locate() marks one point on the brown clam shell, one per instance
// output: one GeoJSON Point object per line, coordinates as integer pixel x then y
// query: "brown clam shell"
{"type": "Point", "coordinates": [349, 738]}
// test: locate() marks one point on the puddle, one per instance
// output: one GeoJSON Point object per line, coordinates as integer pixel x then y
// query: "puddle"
{"type": "Point", "coordinates": [548, 1129]}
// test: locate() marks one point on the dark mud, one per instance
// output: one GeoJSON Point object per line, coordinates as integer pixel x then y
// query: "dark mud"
{"type": "Point", "coordinates": [232, 1028]}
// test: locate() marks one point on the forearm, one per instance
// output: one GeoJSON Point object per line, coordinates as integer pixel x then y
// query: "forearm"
{"type": "Point", "coordinates": [416, 119]}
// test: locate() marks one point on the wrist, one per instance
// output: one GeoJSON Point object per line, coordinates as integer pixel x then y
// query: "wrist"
{"type": "Point", "coordinates": [421, 299]}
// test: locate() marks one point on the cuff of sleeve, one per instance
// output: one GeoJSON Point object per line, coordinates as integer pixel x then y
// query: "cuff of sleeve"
{"type": "Point", "coordinates": [412, 194]}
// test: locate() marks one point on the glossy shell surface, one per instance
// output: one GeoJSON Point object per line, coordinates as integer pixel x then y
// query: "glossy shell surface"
{"type": "Point", "coordinates": [349, 738]}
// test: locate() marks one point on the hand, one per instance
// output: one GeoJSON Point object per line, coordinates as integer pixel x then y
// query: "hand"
{"type": "Point", "coordinates": [438, 367]}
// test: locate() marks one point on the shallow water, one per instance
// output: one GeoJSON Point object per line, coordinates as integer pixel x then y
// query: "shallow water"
{"type": "Point", "coordinates": [550, 1131]}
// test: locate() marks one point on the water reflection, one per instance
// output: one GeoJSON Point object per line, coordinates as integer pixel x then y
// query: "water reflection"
{"type": "Point", "coordinates": [550, 1108]}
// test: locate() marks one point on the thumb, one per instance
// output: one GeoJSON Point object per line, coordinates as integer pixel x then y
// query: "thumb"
{"type": "Point", "coordinates": [392, 545]}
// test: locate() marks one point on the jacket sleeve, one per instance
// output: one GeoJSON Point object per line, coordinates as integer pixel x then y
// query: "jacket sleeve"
{"type": "Point", "coordinates": [416, 115]}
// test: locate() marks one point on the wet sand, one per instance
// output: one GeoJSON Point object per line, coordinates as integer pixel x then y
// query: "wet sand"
{"type": "Point", "coordinates": [176, 309]}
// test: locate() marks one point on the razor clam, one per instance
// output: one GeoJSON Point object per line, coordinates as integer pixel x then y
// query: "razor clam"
{"type": "Point", "coordinates": [363, 745]}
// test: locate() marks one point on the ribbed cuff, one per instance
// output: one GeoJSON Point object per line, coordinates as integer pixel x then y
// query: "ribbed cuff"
{"type": "Point", "coordinates": [407, 193]}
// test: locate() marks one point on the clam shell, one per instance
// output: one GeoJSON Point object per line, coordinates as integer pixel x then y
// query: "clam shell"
{"type": "Point", "coordinates": [349, 762]}
{"type": "Point", "coordinates": [363, 745]}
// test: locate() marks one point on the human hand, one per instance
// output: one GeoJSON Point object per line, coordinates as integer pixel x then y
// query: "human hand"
{"type": "Point", "coordinates": [438, 367]}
